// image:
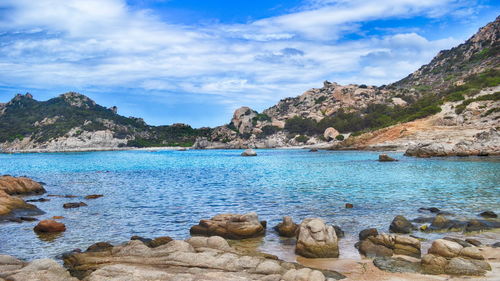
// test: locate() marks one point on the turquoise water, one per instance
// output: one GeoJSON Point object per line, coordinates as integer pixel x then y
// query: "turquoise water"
{"type": "Point", "coordinates": [165, 192]}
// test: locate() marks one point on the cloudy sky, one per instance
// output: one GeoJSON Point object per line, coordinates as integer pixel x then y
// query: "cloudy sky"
{"type": "Point", "coordinates": [195, 61]}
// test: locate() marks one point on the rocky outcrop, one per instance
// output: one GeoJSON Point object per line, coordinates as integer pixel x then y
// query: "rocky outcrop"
{"type": "Point", "coordinates": [315, 239]}
{"type": "Point", "coordinates": [10, 186]}
{"type": "Point", "coordinates": [198, 258]}
{"type": "Point", "coordinates": [483, 143]}
{"type": "Point", "coordinates": [37, 270]}
{"type": "Point", "coordinates": [386, 245]}
{"type": "Point", "coordinates": [287, 228]}
{"type": "Point", "coordinates": [243, 119]}
{"type": "Point", "coordinates": [74, 205]}
{"type": "Point", "coordinates": [231, 226]}
{"type": "Point", "coordinates": [20, 186]}
{"type": "Point", "coordinates": [440, 223]}
{"type": "Point", "coordinates": [330, 133]}
{"type": "Point", "coordinates": [449, 257]}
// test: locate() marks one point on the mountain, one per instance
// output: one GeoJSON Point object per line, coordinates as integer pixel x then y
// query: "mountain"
{"type": "Point", "coordinates": [447, 107]}
{"type": "Point", "coordinates": [74, 122]}
{"type": "Point", "coordinates": [457, 93]}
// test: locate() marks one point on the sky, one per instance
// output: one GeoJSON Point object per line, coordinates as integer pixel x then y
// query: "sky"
{"type": "Point", "coordinates": [196, 61]}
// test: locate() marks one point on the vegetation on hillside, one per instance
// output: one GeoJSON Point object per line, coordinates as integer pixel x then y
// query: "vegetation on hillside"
{"type": "Point", "coordinates": [376, 116]}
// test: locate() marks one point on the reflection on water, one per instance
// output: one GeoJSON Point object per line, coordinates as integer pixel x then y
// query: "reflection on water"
{"type": "Point", "coordinates": [165, 192]}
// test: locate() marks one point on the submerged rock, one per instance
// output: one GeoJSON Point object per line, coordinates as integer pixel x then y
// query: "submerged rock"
{"type": "Point", "coordinates": [365, 233]}
{"type": "Point", "coordinates": [349, 205]}
{"type": "Point", "coordinates": [74, 205]}
{"type": "Point", "coordinates": [385, 158]}
{"type": "Point", "coordinates": [230, 226]}
{"type": "Point", "coordinates": [249, 152]}
{"type": "Point", "coordinates": [94, 196]}
{"type": "Point", "coordinates": [488, 214]}
{"type": "Point", "coordinates": [315, 239]}
{"type": "Point", "coordinates": [287, 228]}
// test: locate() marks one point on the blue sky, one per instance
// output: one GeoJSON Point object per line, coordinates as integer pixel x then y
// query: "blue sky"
{"type": "Point", "coordinates": [196, 61]}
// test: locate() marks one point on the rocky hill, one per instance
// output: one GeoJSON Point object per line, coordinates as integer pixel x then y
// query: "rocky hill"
{"type": "Point", "coordinates": [75, 122]}
{"type": "Point", "coordinates": [457, 90]}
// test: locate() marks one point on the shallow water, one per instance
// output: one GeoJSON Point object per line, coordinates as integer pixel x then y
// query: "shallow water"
{"type": "Point", "coordinates": [165, 192]}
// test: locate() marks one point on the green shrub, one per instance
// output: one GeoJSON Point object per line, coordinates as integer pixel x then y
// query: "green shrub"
{"type": "Point", "coordinates": [302, 139]}
{"type": "Point", "coordinates": [320, 100]}
{"type": "Point", "coordinates": [339, 137]}
{"type": "Point", "coordinates": [269, 130]}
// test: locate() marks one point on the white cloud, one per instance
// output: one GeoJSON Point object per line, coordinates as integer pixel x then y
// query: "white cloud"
{"type": "Point", "coordinates": [105, 44]}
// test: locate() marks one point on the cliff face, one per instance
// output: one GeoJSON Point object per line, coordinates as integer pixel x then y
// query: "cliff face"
{"type": "Point", "coordinates": [456, 90]}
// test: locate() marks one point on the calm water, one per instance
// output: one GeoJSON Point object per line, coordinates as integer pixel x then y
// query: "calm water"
{"type": "Point", "coordinates": [165, 192]}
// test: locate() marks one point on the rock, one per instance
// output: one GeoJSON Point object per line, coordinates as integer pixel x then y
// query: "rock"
{"type": "Point", "coordinates": [401, 225]}
{"type": "Point", "coordinates": [74, 205]}
{"type": "Point", "coordinates": [330, 133]}
{"type": "Point", "coordinates": [49, 226]}
{"type": "Point", "coordinates": [338, 231]}
{"type": "Point", "coordinates": [386, 245]}
{"type": "Point", "coordinates": [20, 186]}
{"type": "Point", "coordinates": [198, 258]}
{"type": "Point", "coordinates": [445, 248]}
{"type": "Point", "coordinates": [349, 205]}
{"type": "Point", "coordinates": [287, 228]}
{"type": "Point", "coordinates": [249, 152]}
{"type": "Point", "coordinates": [456, 240]}
{"type": "Point", "coordinates": [488, 214]}
{"type": "Point", "coordinates": [94, 196]}
{"type": "Point", "coordinates": [146, 241]}
{"type": "Point", "coordinates": [28, 219]}
{"type": "Point", "coordinates": [243, 119]}
{"type": "Point", "coordinates": [462, 266]}
{"type": "Point", "coordinates": [99, 247]}
{"type": "Point", "coordinates": [471, 253]}
{"type": "Point", "coordinates": [313, 150]}
{"type": "Point", "coordinates": [370, 249]}
{"type": "Point", "coordinates": [57, 217]}
{"type": "Point", "coordinates": [397, 265]}
{"type": "Point", "coordinates": [433, 264]}
{"type": "Point", "coordinates": [62, 196]}
{"type": "Point", "coordinates": [159, 241]}
{"type": "Point", "coordinates": [40, 270]}
{"type": "Point", "coordinates": [9, 203]}
{"type": "Point", "coordinates": [315, 239]}
{"type": "Point", "coordinates": [230, 226]}
{"type": "Point", "coordinates": [495, 245]}
{"type": "Point", "coordinates": [38, 200]}
{"type": "Point", "coordinates": [385, 158]}
{"type": "Point", "coordinates": [431, 209]}
{"type": "Point", "coordinates": [473, 242]}
{"type": "Point", "coordinates": [365, 233]}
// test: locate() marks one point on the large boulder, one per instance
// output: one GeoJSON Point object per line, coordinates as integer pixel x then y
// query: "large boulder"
{"type": "Point", "coordinates": [231, 226]}
{"type": "Point", "coordinates": [12, 186]}
{"type": "Point", "coordinates": [287, 228]}
{"type": "Point", "coordinates": [49, 226]}
{"type": "Point", "coordinates": [445, 256]}
{"type": "Point", "coordinates": [249, 152]}
{"type": "Point", "coordinates": [315, 239]}
{"type": "Point", "coordinates": [243, 119]}
{"type": "Point", "coordinates": [20, 186]}
{"type": "Point", "coordinates": [401, 225]}
{"type": "Point", "coordinates": [330, 133]}
{"type": "Point", "coordinates": [386, 245]}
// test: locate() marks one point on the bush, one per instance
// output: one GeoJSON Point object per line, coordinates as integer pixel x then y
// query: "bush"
{"type": "Point", "coordinates": [302, 139]}
{"type": "Point", "coordinates": [299, 125]}
{"type": "Point", "coordinates": [269, 130]}
{"type": "Point", "coordinates": [339, 137]}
